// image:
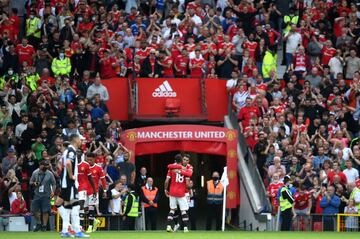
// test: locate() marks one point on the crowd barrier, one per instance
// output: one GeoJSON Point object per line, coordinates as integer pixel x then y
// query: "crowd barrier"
{"type": "Point", "coordinates": [348, 222]}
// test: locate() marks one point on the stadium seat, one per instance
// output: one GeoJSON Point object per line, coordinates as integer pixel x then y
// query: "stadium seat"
{"type": "Point", "coordinates": [172, 107]}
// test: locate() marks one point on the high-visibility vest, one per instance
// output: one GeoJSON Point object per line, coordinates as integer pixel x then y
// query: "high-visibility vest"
{"type": "Point", "coordinates": [352, 196]}
{"type": "Point", "coordinates": [61, 67]}
{"type": "Point", "coordinates": [31, 81]}
{"type": "Point", "coordinates": [150, 195]}
{"type": "Point", "coordinates": [284, 203]}
{"type": "Point", "coordinates": [32, 25]}
{"type": "Point", "coordinates": [269, 64]}
{"type": "Point", "coordinates": [289, 19]}
{"type": "Point", "coordinates": [2, 83]}
{"type": "Point", "coordinates": [134, 210]}
{"type": "Point", "coordinates": [215, 194]}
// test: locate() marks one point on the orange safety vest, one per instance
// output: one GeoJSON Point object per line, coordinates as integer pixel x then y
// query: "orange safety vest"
{"type": "Point", "coordinates": [150, 195]}
{"type": "Point", "coordinates": [214, 193]}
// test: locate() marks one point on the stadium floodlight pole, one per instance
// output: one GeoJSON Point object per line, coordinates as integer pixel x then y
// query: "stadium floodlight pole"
{"type": "Point", "coordinates": [225, 182]}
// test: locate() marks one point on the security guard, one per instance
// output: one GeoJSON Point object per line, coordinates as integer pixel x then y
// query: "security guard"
{"type": "Point", "coordinates": [131, 208]}
{"type": "Point", "coordinates": [355, 194]}
{"type": "Point", "coordinates": [31, 80]}
{"type": "Point", "coordinates": [286, 205]}
{"type": "Point", "coordinates": [214, 201]}
{"type": "Point", "coordinates": [269, 63]}
{"type": "Point", "coordinates": [9, 76]}
{"type": "Point", "coordinates": [61, 65]}
{"type": "Point", "coordinates": [149, 197]}
{"type": "Point", "coordinates": [33, 29]}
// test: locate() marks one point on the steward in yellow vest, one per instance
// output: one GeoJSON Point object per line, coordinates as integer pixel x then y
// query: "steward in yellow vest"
{"type": "Point", "coordinates": [33, 26]}
{"type": "Point", "coordinates": [61, 65]}
{"type": "Point", "coordinates": [286, 205]}
{"type": "Point", "coordinates": [131, 208]}
{"type": "Point", "coordinates": [269, 63]}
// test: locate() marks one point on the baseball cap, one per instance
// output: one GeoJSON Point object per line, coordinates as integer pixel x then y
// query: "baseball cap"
{"type": "Point", "coordinates": [11, 150]}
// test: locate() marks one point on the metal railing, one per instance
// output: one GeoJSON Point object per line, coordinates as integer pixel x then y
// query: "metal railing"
{"type": "Point", "coordinates": [251, 166]}
{"type": "Point", "coordinates": [314, 222]}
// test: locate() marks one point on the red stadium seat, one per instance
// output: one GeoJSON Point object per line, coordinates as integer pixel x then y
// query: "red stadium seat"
{"type": "Point", "coordinates": [172, 107]}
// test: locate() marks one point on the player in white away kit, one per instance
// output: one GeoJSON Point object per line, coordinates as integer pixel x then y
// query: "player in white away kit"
{"type": "Point", "coordinates": [69, 189]}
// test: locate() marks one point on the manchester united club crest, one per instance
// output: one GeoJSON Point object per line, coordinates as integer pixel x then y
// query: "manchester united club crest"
{"type": "Point", "coordinates": [231, 153]}
{"type": "Point", "coordinates": [131, 136]}
{"type": "Point", "coordinates": [231, 174]}
{"type": "Point", "coordinates": [231, 195]}
{"type": "Point", "coordinates": [230, 135]}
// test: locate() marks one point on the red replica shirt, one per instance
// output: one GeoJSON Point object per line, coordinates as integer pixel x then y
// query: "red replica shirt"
{"type": "Point", "coordinates": [198, 63]}
{"type": "Point", "coordinates": [227, 46]}
{"type": "Point", "coordinates": [302, 200]}
{"type": "Point", "coordinates": [332, 174]}
{"type": "Point", "coordinates": [175, 51]}
{"type": "Point", "coordinates": [143, 53]}
{"type": "Point", "coordinates": [25, 53]}
{"type": "Point", "coordinates": [168, 71]}
{"type": "Point", "coordinates": [247, 113]}
{"type": "Point", "coordinates": [181, 62]}
{"type": "Point", "coordinates": [273, 191]}
{"type": "Point", "coordinates": [327, 54]}
{"type": "Point", "coordinates": [83, 27]}
{"type": "Point", "coordinates": [190, 47]}
{"type": "Point", "coordinates": [251, 46]}
{"type": "Point", "coordinates": [177, 184]}
{"type": "Point", "coordinates": [97, 174]}
{"type": "Point", "coordinates": [83, 174]}
{"type": "Point", "coordinates": [106, 68]}
{"type": "Point", "coordinates": [278, 109]}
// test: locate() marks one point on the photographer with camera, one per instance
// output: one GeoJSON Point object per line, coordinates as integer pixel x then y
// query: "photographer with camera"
{"type": "Point", "coordinates": [43, 182]}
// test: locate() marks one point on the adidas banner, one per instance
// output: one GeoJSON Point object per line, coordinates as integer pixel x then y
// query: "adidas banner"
{"type": "Point", "coordinates": [154, 93]}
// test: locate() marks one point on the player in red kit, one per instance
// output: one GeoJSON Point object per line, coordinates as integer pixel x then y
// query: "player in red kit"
{"type": "Point", "coordinates": [85, 181]}
{"type": "Point", "coordinates": [98, 175]}
{"type": "Point", "coordinates": [177, 179]}
{"type": "Point", "coordinates": [189, 168]}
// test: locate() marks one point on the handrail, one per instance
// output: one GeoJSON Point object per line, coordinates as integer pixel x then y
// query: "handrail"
{"type": "Point", "coordinates": [203, 97]}
{"type": "Point", "coordinates": [131, 98]}
{"type": "Point", "coordinates": [251, 167]}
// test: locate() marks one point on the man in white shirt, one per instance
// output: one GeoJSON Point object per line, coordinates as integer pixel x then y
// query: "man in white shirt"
{"type": "Point", "coordinates": [20, 128]}
{"type": "Point", "coordinates": [336, 64]}
{"type": "Point", "coordinates": [231, 83]}
{"type": "Point", "coordinates": [293, 41]}
{"type": "Point", "coordinates": [115, 202]}
{"type": "Point", "coordinates": [351, 173]}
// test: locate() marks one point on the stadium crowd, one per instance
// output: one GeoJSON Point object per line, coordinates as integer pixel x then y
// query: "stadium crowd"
{"type": "Point", "coordinates": [305, 123]}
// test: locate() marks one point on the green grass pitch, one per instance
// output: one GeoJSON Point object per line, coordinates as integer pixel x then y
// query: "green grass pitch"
{"type": "Point", "coordinates": [181, 235]}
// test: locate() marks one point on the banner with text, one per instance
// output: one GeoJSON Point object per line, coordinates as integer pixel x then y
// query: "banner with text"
{"type": "Point", "coordinates": [193, 138]}
{"type": "Point", "coordinates": [152, 95]}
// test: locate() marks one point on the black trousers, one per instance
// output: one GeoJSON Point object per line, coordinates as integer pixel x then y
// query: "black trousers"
{"type": "Point", "coordinates": [129, 223]}
{"type": "Point", "coordinates": [286, 219]}
{"type": "Point", "coordinates": [329, 223]}
{"type": "Point", "coordinates": [150, 218]}
{"type": "Point", "coordinates": [192, 218]}
{"type": "Point", "coordinates": [214, 212]}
